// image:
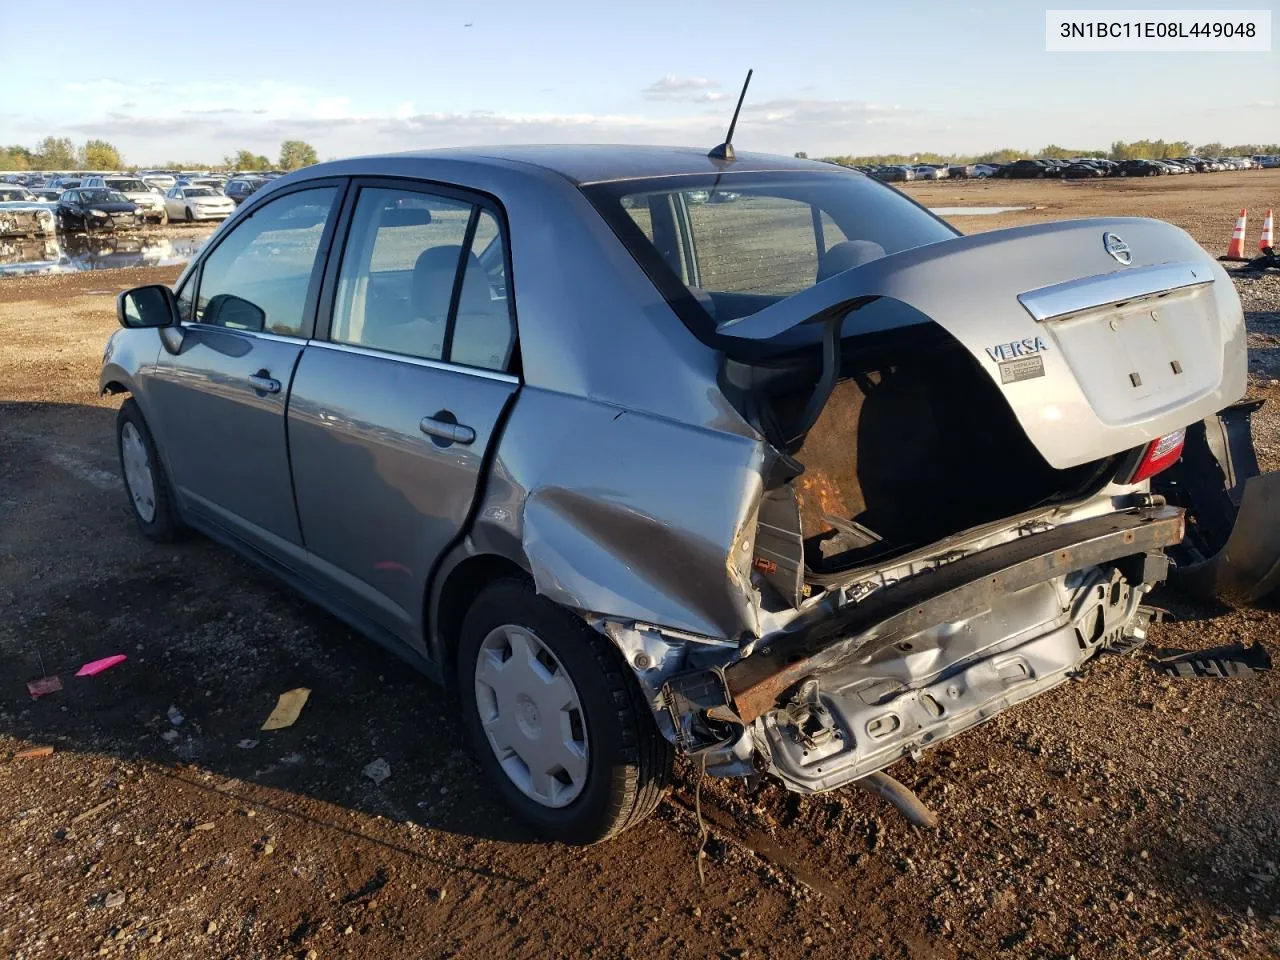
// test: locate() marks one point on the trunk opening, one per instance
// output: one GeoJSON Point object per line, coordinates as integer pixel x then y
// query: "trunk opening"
{"type": "Point", "coordinates": [915, 443]}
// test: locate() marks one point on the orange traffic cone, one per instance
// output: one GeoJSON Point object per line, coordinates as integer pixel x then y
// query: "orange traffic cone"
{"type": "Point", "coordinates": [1235, 249]}
{"type": "Point", "coordinates": [1268, 239]}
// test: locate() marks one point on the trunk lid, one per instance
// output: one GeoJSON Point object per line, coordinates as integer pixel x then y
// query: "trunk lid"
{"type": "Point", "coordinates": [1101, 334]}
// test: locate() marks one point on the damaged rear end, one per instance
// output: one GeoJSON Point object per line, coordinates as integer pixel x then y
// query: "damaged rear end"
{"type": "Point", "coordinates": [957, 510]}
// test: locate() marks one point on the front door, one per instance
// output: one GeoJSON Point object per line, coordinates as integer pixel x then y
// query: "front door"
{"type": "Point", "coordinates": [220, 402]}
{"type": "Point", "coordinates": [391, 413]}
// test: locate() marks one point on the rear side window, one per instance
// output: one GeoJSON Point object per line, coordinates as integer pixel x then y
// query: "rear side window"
{"type": "Point", "coordinates": [258, 276]}
{"type": "Point", "coordinates": [424, 276]}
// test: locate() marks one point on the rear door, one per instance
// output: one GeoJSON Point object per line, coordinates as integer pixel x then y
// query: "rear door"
{"type": "Point", "coordinates": [397, 400]}
{"type": "Point", "coordinates": [219, 402]}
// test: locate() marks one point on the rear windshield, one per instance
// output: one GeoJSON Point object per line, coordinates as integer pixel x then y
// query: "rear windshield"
{"type": "Point", "coordinates": [722, 248]}
{"type": "Point", "coordinates": [128, 186]}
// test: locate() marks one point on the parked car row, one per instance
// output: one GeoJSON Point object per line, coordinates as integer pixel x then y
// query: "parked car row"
{"type": "Point", "coordinates": [1080, 168]}
{"type": "Point", "coordinates": [33, 205]}
{"type": "Point", "coordinates": [1083, 168]}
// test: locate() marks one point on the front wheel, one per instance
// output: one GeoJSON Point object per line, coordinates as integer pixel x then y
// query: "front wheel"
{"type": "Point", "coordinates": [190, 216]}
{"type": "Point", "coordinates": [556, 718]}
{"type": "Point", "coordinates": [145, 483]}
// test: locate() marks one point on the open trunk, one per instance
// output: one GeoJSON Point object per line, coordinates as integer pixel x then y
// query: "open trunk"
{"type": "Point", "coordinates": [917, 443]}
{"type": "Point", "coordinates": [971, 380]}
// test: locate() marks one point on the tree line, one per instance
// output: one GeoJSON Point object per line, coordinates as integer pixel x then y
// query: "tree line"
{"type": "Point", "coordinates": [60, 153]}
{"type": "Point", "coordinates": [1119, 150]}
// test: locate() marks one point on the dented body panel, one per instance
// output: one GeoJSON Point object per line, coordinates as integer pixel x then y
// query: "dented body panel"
{"type": "Point", "coordinates": [625, 513]}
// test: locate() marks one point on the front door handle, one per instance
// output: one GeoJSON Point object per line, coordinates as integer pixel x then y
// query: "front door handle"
{"type": "Point", "coordinates": [446, 430]}
{"type": "Point", "coordinates": [263, 383]}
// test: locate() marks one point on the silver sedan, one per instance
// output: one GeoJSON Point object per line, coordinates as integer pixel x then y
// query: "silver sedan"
{"type": "Point", "coordinates": [192, 203]}
{"type": "Point", "coordinates": [799, 483]}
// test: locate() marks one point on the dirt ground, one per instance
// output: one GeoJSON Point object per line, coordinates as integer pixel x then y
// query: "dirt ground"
{"type": "Point", "coordinates": [1122, 815]}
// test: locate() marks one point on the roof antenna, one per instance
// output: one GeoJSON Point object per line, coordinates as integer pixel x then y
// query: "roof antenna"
{"type": "Point", "coordinates": [725, 150]}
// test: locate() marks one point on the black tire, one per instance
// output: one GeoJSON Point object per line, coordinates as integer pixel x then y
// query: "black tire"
{"type": "Point", "coordinates": [190, 216]}
{"type": "Point", "coordinates": [164, 526]}
{"type": "Point", "coordinates": [629, 762]}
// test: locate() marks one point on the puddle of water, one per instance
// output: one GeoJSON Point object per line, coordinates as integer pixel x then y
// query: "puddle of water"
{"type": "Point", "coordinates": [972, 211]}
{"type": "Point", "coordinates": [78, 254]}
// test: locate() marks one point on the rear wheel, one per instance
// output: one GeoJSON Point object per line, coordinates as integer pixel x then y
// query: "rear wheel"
{"type": "Point", "coordinates": [145, 483]}
{"type": "Point", "coordinates": [556, 719]}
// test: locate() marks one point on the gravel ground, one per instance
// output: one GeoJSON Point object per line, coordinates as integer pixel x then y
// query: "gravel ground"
{"type": "Point", "coordinates": [1122, 815]}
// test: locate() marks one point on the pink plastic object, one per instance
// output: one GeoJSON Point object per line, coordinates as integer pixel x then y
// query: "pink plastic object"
{"type": "Point", "coordinates": [95, 667]}
{"type": "Point", "coordinates": [38, 688]}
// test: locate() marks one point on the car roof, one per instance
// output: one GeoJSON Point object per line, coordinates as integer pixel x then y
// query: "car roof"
{"type": "Point", "coordinates": [601, 163]}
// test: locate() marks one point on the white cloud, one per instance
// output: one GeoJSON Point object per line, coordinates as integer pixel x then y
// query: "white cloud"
{"type": "Point", "coordinates": [686, 89]}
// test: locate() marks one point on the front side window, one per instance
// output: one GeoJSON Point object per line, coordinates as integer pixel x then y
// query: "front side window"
{"type": "Point", "coordinates": [411, 263]}
{"type": "Point", "coordinates": [258, 277]}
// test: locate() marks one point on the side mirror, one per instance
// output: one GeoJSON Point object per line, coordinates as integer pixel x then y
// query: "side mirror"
{"type": "Point", "coordinates": [151, 306]}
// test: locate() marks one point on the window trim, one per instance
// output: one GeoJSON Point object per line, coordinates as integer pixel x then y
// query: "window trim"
{"type": "Point", "coordinates": [446, 191]}
{"type": "Point", "coordinates": [237, 220]}
{"type": "Point", "coordinates": [501, 376]}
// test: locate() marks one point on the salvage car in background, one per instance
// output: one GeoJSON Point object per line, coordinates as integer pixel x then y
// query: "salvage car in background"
{"type": "Point", "coordinates": [150, 201]}
{"type": "Point", "coordinates": [197, 202]}
{"type": "Point", "coordinates": [1139, 168]}
{"type": "Point", "coordinates": [242, 188]}
{"type": "Point", "coordinates": [745, 518]}
{"type": "Point", "coordinates": [92, 209]}
{"type": "Point", "coordinates": [23, 214]}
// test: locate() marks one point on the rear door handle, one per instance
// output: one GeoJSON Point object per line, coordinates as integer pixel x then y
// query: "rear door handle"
{"type": "Point", "coordinates": [263, 383]}
{"type": "Point", "coordinates": [447, 430]}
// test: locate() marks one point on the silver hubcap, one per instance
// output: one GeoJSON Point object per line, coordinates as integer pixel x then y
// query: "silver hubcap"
{"type": "Point", "coordinates": [532, 715]}
{"type": "Point", "coordinates": [137, 472]}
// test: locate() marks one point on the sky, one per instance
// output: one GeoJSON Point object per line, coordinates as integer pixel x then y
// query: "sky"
{"type": "Point", "coordinates": [830, 78]}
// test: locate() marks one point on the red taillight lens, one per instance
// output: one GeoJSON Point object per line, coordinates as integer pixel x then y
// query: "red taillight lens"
{"type": "Point", "coordinates": [1161, 453]}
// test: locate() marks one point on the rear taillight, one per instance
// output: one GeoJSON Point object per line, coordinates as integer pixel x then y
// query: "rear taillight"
{"type": "Point", "coordinates": [1161, 453]}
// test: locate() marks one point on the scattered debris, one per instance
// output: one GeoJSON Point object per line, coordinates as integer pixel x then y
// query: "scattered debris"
{"type": "Point", "coordinates": [247, 744]}
{"type": "Point", "coordinates": [287, 709]}
{"type": "Point", "coordinates": [169, 736]}
{"type": "Point", "coordinates": [437, 895]}
{"type": "Point", "coordinates": [211, 927]}
{"type": "Point", "coordinates": [203, 826]}
{"type": "Point", "coordinates": [45, 685]}
{"type": "Point", "coordinates": [378, 770]}
{"type": "Point", "coordinates": [1228, 660]}
{"type": "Point", "coordinates": [95, 667]}
{"type": "Point", "coordinates": [175, 716]}
{"type": "Point", "coordinates": [33, 753]}
{"type": "Point", "coordinates": [92, 811]}
{"type": "Point", "coordinates": [115, 899]}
